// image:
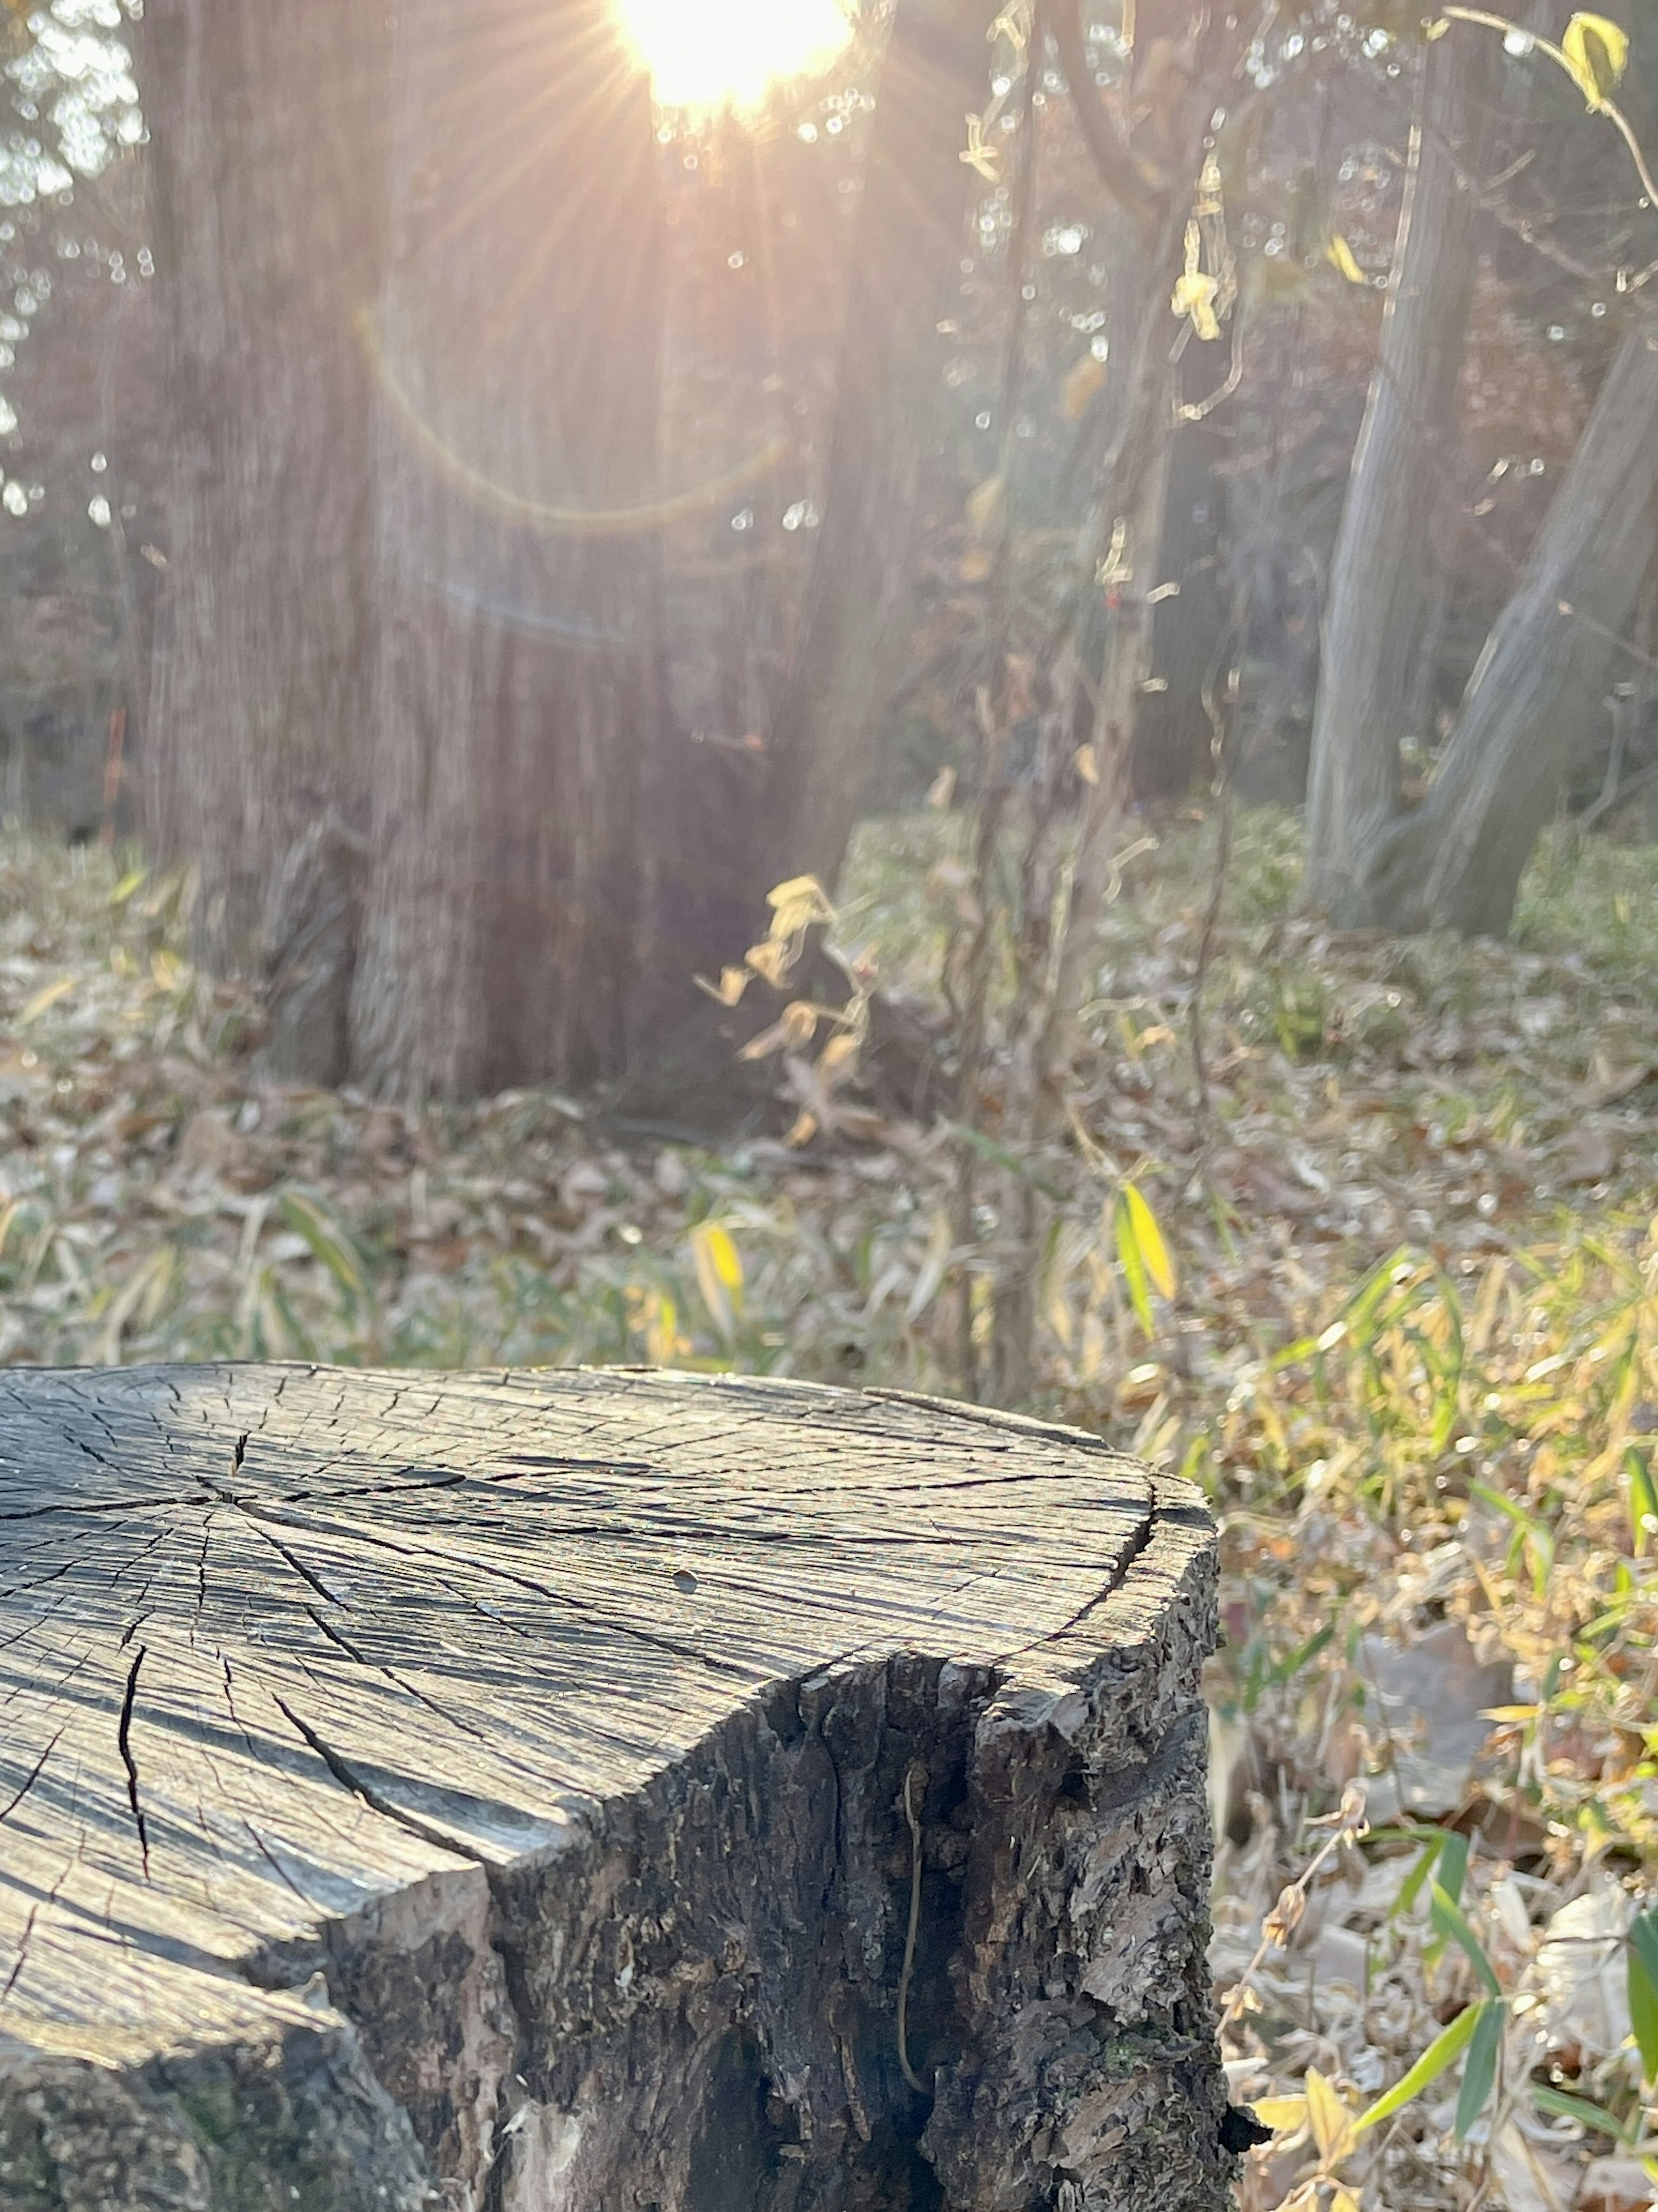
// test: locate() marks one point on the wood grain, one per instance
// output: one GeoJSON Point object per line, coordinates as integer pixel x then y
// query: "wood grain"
{"type": "Point", "coordinates": [494, 1784]}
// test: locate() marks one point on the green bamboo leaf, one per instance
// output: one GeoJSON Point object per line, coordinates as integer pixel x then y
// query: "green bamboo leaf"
{"type": "Point", "coordinates": [1445, 2048]}
{"type": "Point", "coordinates": [1567, 2107]}
{"type": "Point", "coordinates": [1642, 1501]}
{"type": "Point", "coordinates": [1480, 2071]}
{"type": "Point", "coordinates": [1449, 1919]}
{"type": "Point", "coordinates": [1454, 1865]}
{"type": "Point", "coordinates": [1644, 1990]}
{"type": "Point", "coordinates": [1411, 1888]}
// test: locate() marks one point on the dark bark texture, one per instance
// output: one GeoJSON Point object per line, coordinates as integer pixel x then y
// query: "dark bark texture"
{"type": "Point", "coordinates": [514, 707]}
{"type": "Point", "coordinates": [516, 1789]}
{"type": "Point", "coordinates": [268, 176]}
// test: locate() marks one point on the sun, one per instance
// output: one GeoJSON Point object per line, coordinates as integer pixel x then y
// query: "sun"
{"type": "Point", "coordinates": [729, 53]}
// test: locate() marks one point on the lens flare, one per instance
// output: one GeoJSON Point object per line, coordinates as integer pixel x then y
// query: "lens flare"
{"type": "Point", "coordinates": [728, 53]}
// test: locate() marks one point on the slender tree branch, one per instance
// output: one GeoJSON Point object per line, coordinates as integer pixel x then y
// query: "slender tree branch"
{"type": "Point", "coordinates": [1130, 179]}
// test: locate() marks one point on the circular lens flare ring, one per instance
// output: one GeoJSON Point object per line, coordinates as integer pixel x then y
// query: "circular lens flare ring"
{"type": "Point", "coordinates": [711, 54]}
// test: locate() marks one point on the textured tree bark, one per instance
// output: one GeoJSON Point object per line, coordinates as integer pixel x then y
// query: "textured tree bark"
{"type": "Point", "coordinates": [514, 696]}
{"type": "Point", "coordinates": [917, 190]}
{"type": "Point", "coordinates": [1455, 861]}
{"type": "Point", "coordinates": [558, 1792]}
{"type": "Point", "coordinates": [1382, 576]}
{"type": "Point", "coordinates": [268, 136]}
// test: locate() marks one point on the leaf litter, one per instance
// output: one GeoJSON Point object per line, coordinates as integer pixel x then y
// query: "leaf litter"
{"type": "Point", "coordinates": [1393, 1300]}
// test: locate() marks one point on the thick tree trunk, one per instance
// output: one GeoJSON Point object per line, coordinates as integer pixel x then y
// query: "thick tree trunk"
{"type": "Point", "coordinates": [1381, 577]}
{"type": "Point", "coordinates": [514, 698]}
{"type": "Point", "coordinates": [561, 1794]}
{"type": "Point", "coordinates": [268, 174]}
{"type": "Point", "coordinates": [917, 190]}
{"type": "Point", "coordinates": [1457, 860]}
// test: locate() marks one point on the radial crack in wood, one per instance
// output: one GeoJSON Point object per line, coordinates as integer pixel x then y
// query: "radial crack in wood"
{"type": "Point", "coordinates": [507, 1790]}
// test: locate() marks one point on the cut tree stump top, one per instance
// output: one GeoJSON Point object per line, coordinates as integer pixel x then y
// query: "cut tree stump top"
{"type": "Point", "coordinates": [282, 1648]}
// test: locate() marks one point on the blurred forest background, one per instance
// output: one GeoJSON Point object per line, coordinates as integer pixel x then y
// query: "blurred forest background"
{"type": "Point", "coordinates": [917, 694]}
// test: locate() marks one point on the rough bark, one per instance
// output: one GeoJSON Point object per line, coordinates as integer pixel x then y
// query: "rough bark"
{"type": "Point", "coordinates": [916, 194]}
{"type": "Point", "coordinates": [1381, 578]}
{"type": "Point", "coordinates": [1455, 861]}
{"type": "Point", "coordinates": [514, 697]}
{"type": "Point", "coordinates": [516, 1788]}
{"type": "Point", "coordinates": [268, 124]}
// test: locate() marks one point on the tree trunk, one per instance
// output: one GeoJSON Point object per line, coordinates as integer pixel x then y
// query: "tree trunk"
{"type": "Point", "coordinates": [917, 190]}
{"type": "Point", "coordinates": [1382, 576]}
{"type": "Point", "coordinates": [1455, 862]}
{"type": "Point", "coordinates": [515, 703]}
{"type": "Point", "coordinates": [586, 1791]}
{"type": "Point", "coordinates": [268, 181]}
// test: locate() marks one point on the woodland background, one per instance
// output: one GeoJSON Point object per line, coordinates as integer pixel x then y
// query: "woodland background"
{"type": "Point", "coordinates": [897, 555]}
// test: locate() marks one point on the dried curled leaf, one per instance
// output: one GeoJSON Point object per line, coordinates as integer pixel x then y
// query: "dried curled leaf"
{"type": "Point", "coordinates": [1596, 52]}
{"type": "Point", "coordinates": [796, 905]}
{"type": "Point", "coordinates": [1196, 291]}
{"type": "Point", "coordinates": [795, 1026]}
{"type": "Point", "coordinates": [729, 990]}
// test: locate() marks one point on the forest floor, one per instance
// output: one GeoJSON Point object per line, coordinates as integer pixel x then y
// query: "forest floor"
{"type": "Point", "coordinates": [1411, 1355]}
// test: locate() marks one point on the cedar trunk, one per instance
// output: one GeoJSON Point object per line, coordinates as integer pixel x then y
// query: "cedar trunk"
{"type": "Point", "coordinates": [917, 190]}
{"type": "Point", "coordinates": [406, 678]}
{"type": "Point", "coordinates": [514, 702]}
{"type": "Point", "coordinates": [268, 182]}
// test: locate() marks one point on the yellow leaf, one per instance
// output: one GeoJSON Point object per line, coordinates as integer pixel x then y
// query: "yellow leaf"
{"type": "Point", "coordinates": [1331, 2122]}
{"type": "Point", "coordinates": [38, 1005]}
{"type": "Point", "coordinates": [1148, 1240]}
{"type": "Point", "coordinates": [1081, 387]}
{"type": "Point", "coordinates": [1343, 2201]}
{"type": "Point", "coordinates": [802, 1130]}
{"type": "Point", "coordinates": [719, 1275]}
{"type": "Point", "coordinates": [1596, 50]}
{"type": "Point", "coordinates": [1340, 255]}
{"type": "Point", "coordinates": [984, 506]}
{"type": "Point", "coordinates": [1283, 2115]}
{"type": "Point", "coordinates": [1085, 761]}
{"type": "Point", "coordinates": [727, 1260]}
{"type": "Point", "coordinates": [1438, 28]}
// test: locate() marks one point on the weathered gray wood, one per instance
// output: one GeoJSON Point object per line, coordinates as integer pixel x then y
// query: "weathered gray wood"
{"type": "Point", "coordinates": [493, 1790]}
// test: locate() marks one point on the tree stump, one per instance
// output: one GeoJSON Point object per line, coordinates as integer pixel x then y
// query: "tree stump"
{"type": "Point", "coordinates": [590, 1792]}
